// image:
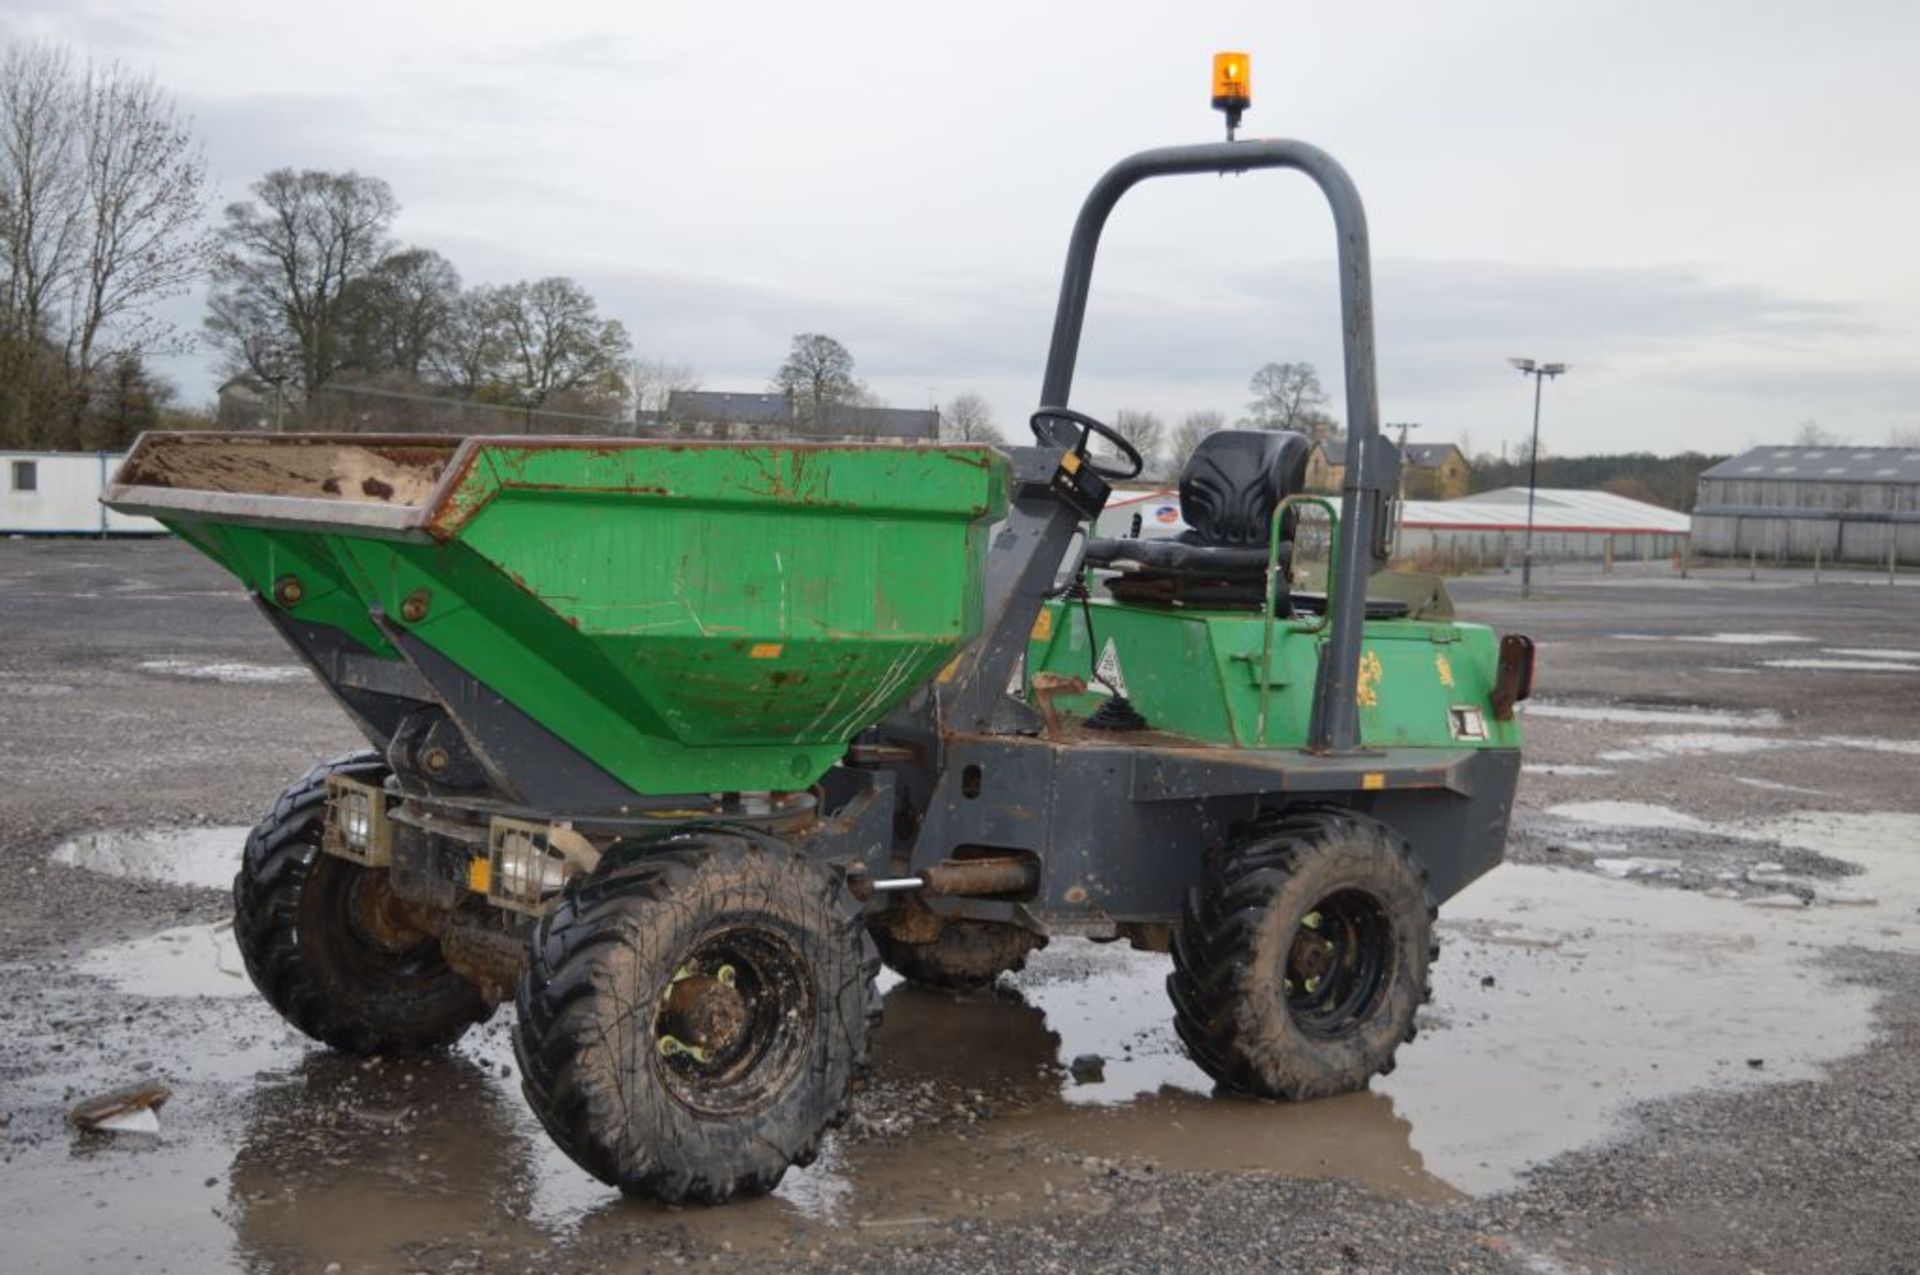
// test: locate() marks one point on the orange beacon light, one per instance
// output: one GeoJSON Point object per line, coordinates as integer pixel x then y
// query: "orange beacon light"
{"type": "Point", "coordinates": [1232, 87]}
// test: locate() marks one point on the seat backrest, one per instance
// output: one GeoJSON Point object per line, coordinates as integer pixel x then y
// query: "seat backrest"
{"type": "Point", "coordinates": [1234, 480]}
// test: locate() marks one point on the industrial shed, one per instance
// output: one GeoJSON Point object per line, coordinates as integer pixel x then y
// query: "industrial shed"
{"type": "Point", "coordinates": [1785, 504]}
{"type": "Point", "coordinates": [1568, 525]}
{"type": "Point", "coordinates": [58, 494]}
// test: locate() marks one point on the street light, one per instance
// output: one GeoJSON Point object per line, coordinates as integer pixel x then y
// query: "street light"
{"type": "Point", "coordinates": [1539, 372]}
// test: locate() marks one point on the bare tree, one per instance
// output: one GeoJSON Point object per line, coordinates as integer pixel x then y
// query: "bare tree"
{"type": "Point", "coordinates": [1188, 434]}
{"type": "Point", "coordinates": [145, 183]}
{"type": "Point", "coordinates": [818, 377]}
{"type": "Point", "coordinates": [102, 192]}
{"type": "Point", "coordinates": [1812, 433]}
{"type": "Point", "coordinates": [1147, 433]}
{"type": "Point", "coordinates": [555, 341]}
{"type": "Point", "coordinates": [968, 418]}
{"type": "Point", "coordinates": [393, 319]}
{"type": "Point", "coordinates": [656, 381]}
{"type": "Point", "coordinates": [1283, 394]}
{"type": "Point", "coordinates": [287, 262]}
{"type": "Point", "coordinates": [468, 353]}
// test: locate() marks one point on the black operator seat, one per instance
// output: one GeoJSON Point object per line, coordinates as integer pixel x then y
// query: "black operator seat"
{"type": "Point", "coordinates": [1232, 484]}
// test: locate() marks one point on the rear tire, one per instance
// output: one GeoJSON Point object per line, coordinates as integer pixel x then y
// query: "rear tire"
{"type": "Point", "coordinates": [693, 1016]}
{"type": "Point", "coordinates": [1302, 958]}
{"type": "Point", "coordinates": [297, 918]}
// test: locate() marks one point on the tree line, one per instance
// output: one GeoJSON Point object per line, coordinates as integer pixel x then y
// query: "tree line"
{"type": "Point", "coordinates": [312, 297]}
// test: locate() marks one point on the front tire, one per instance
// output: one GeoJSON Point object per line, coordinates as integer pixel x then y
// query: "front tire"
{"type": "Point", "coordinates": [1302, 959]}
{"type": "Point", "coordinates": [317, 935]}
{"type": "Point", "coordinates": [693, 1016]}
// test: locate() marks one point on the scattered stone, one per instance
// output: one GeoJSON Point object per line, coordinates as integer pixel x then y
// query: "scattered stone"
{"type": "Point", "coordinates": [1088, 1068]}
{"type": "Point", "coordinates": [129, 1110]}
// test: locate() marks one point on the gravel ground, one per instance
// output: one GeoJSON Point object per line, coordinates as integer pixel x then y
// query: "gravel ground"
{"type": "Point", "coordinates": [138, 688]}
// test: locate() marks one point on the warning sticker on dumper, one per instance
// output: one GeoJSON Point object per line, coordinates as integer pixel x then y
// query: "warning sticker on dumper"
{"type": "Point", "coordinates": [1108, 669]}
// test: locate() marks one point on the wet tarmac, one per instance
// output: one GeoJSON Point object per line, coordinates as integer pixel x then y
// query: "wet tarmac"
{"type": "Point", "coordinates": [1697, 855]}
{"type": "Point", "coordinates": [1562, 1000]}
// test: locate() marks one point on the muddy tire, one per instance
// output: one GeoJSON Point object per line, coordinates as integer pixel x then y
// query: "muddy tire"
{"type": "Point", "coordinates": [966, 956]}
{"type": "Point", "coordinates": [298, 916]}
{"type": "Point", "coordinates": [692, 1017]}
{"type": "Point", "coordinates": [1302, 959]}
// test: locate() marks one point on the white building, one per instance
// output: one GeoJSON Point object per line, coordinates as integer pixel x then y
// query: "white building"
{"type": "Point", "coordinates": [1489, 528]}
{"type": "Point", "coordinates": [58, 494]}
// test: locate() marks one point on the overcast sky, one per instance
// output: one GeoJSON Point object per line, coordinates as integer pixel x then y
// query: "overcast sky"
{"type": "Point", "coordinates": [1706, 208]}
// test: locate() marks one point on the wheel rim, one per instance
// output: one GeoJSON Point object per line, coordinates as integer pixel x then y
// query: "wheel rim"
{"type": "Point", "coordinates": [351, 912]}
{"type": "Point", "coordinates": [1338, 964]}
{"type": "Point", "coordinates": [734, 1022]}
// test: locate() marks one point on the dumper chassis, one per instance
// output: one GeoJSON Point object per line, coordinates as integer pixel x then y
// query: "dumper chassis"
{"type": "Point", "coordinates": [1278, 790]}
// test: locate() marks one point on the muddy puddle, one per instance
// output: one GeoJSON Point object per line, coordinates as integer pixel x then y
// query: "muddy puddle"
{"type": "Point", "coordinates": [1562, 999]}
{"type": "Point", "coordinates": [197, 856]}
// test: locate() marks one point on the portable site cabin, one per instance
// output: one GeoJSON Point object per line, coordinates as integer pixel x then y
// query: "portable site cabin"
{"type": "Point", "coordinates": [58, 494]}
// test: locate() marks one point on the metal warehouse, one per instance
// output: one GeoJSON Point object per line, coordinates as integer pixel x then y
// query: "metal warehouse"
{"type": "Point", "coordinates": [1845, 504]}
{"type": "Point", "coordinates": [1568, 525]}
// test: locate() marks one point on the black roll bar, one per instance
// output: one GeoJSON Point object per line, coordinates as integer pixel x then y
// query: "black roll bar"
{"type": "Point", "coordinates": [1336, 716]}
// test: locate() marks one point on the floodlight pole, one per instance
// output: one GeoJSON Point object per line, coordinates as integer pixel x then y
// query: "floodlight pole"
{"type": "Point", "coordinates": [1539, 372]}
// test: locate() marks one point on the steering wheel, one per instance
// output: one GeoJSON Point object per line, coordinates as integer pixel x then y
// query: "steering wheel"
{"type": "Point", "coordinates": [1043, 424]}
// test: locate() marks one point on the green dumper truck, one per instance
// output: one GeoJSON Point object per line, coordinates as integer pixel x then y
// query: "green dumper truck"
{"type": "Point", "coordinates": [672, 743]}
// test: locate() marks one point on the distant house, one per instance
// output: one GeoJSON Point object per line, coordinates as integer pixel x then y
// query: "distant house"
{"type": "Point", "coordinates": [724, 414]}
{"type": "Point", "coordinates": [1325, 468]}
{"type": "Point", "coordinates": [1435, 471]}
{"type": "Point", "coordinates": [244, 403]}
{"type": "Point", "coordinates": [1429, 471]}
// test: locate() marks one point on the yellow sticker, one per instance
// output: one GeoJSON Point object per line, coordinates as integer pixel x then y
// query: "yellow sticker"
{"type": "Point", "coordinates": [1042, 625]}
{"type": "Point", "coordinates": [1373, 780]}
{"type": "Point", "coordinates": [764, 651]}
{"type": "Point", "coordinates": [1444, 669]}
{"type": "Point", "coordinates": [953, 667]}
{"type": "Point", "coordinates": [479, 875]}
{"type": "Point", "coordinates": [1368, 691]}
{"type": "Point", "coordinates": [1071, 462]}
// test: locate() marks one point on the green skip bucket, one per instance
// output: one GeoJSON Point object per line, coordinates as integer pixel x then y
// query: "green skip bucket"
{"type": "Point", "coordinates": [691, 617]}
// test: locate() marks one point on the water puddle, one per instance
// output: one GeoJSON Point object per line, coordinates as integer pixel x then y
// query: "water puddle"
{"type": "Point", "coordinates": [1716, 639]}
{"type": "Point", "coordinates": [192, 960]}
{"type": "Point", "coordinates": [1559, 770]}
{"type": "Point", "coordinates": [1651, 715]}
{"type": "Point", "coordinates": [1872, 652]}
{"type": "Point", "coordinates": [226, 670]}
{"type": "Point", "coordinates": [206, 857]}
{"type": "Point", "coordinates": [1774, 785]}
{"type": "Point", "coordinates": [1709, 743]}
{"type": "Point", "coordinates": [1626, 814]}
{"type": "Point", "coordinates": [1562, 999]}
{"type": "Point", "coordinates": [1844, 666]}
{"type": "Point", "coordinates": [1657, 747]}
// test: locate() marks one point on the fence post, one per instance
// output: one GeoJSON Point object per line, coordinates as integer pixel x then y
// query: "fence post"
{"type": "Point", "coordinates": [1893, 551]}
{"type": "Point", "coordinates": [1607, 556]}
{"type": "Point", "coordinates": [1686, 555]}
{"type": "Point", "coordinates": [1753, 564]}
{"type": "Point", "coordinates": [1816, 564]}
